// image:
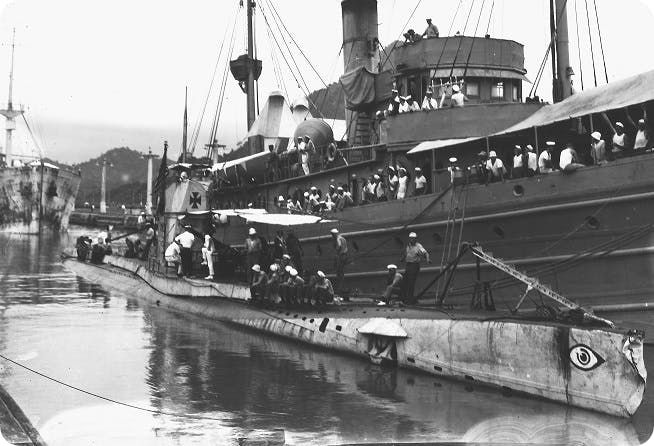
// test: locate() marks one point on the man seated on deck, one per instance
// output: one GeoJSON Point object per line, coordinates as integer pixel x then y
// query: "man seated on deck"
{"type": "Point", "coordinates": [134, 249]}
{"type": "Point", "coordinates": [568, 159]}
{"type": "Point", "coordinates": [394, 282]}
{"type": "Point", "coordinates": [83, 247]}
{"type": "Point", "coordinates": [98, 251]}
{"type": "Point", "coordinates": [293, 290]}
{"type": "Point", "coordinates": [258, 284]}
{"type": "Point", "coordinates": [173, 257]}
{"type": "Point", "coordinates": [272, 284]}
{"type": "Point", "coordinates": [344, 200]}
{"type": "Point", "coordinates": [322, 291]}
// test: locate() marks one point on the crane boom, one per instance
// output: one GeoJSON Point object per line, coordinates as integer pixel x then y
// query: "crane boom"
{"type": "Point", "coordinates": [533, 283]}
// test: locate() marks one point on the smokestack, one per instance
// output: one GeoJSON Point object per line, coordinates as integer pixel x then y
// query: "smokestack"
{"type": "Point", "coordinates": [359, 45]}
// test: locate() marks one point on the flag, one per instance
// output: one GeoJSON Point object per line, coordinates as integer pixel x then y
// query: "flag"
{"type": "Point", "coordinates": [160, 183]}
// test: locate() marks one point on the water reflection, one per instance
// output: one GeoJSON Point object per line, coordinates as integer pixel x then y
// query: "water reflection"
{"type": "Point", "coordinates": [237, 380]}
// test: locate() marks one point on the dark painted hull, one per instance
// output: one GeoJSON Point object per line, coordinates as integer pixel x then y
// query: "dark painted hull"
{"type": "Point", "coordinates": [585, 233]}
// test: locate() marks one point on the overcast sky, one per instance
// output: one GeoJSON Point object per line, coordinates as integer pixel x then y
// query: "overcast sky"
{"type": "Point", "coordinates": [94, 74]}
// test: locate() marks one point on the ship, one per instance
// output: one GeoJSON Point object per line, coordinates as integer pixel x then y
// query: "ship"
{"type": "Point", "coordinates": [586, 232]}
{"type": "Point", "coordinates": [557, 349]}
{"type": "Point", "coordinates": [35, 195]}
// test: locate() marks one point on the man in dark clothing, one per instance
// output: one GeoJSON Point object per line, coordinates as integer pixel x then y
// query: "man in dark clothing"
{"type": "Point", "coordinates": [83, 247]}
{"type": "Point", "coordinates": [294, 249]}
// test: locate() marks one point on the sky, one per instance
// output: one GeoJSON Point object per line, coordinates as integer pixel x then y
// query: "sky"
{"type": "Point", "coordinates": [97, 74]}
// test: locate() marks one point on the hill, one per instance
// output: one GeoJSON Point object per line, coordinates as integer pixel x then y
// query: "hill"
{"type": "Point", "coordinates": [126, 178]}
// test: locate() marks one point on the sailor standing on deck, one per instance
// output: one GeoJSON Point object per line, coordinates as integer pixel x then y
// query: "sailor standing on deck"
{"type": "Point", "coordinates": [545, 158]}
{"type": "Point", "coordinates": [619, 140]}
{"type": "Point", "coordinates": [458, 98]}
{"type": "Point", "coordinates": [642, 136]}
{"type": "Point", "coordinates": [420, 183]}
{"type": "Point", "coordinates": [253, 250]}
{"type": "Point", "coordinates": [413, 255]}
{"type": "Point", "coordinates": [597, 148]}
{"type": "Point", "coordinates": [402, 184]}
{"type": "Point", "coordinates": [404, 105]}
{"type": "Point", "coordinates": [413, 105]}
{"type": "Point", "coordinates": [495, 167]}
{"type": "Point", "coordinates": [392, 182]}
{"type": "Point", "coordinates": [532, 161]}
{"type": "Point", "coordinates": [340, 245]}
{"type": "Point", "coordinates": [394, 104]}
{"type": "Point", "coordinates": [186, 240]}
{"type": "Point", "coordinates": [207, 255]}
{"type": "Point", "coordinates": [431, 31]}
{"type": "Point", "coordinates": [429, 103]}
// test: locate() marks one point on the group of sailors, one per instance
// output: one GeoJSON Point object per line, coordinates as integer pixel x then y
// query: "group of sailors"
{"type": "Point", "coordinates": [301, 158]}
{"type": "Point", "coordinates": [407, 104]}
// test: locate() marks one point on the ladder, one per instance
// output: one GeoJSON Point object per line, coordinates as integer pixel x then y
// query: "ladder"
{"type": "Point", "coordinates": [533, 284]}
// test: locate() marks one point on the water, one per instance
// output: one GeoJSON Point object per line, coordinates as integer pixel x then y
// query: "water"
{"type": "Point", "coordinates": [234, 381]}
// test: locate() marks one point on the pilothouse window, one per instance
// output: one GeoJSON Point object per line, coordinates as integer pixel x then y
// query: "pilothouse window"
{"type": "Point", "coordinates": [472, 89]}
{"type": "Point", "coordinates": [497, 90]}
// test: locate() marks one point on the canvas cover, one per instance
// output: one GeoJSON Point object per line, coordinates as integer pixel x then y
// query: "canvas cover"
{"type": "Point", "coordinates": [363, 89]}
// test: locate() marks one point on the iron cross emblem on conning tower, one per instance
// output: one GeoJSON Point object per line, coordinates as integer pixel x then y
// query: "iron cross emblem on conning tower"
{"type": "Point", "coordinates": [195, 200]}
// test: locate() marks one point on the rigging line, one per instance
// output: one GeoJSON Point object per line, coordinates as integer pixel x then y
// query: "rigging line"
{"type": "Point", "coordinates": [306, 90]}
{"type": "Point", "coordinates": [221, 98]}
{"type": "Point", "coordinates": [472, 5]}
{"type": "Point", "coordinates": [447, 39]}
{"type": "Point", "coordinates": [599, 32]}
{"type": "Point", "coordinates": [196, 130]}
{"type": "Point", "coordinates": [474, 38]}
{"type": "Point", "coordinates": [272, 5]}
{"type": "Point", "coordinates": [590, 38]}
{"type": "Point", "coordinates": [401, 32]}
{"type": "Point", "coordinates": [331, 73]}
{"type": "Point", "coordinates": [451, 217]}
{"type": "Point", "coordinates": [490, 17]}
{"type": "Point", "coordinates": [288, 48]}
{"type": "Point", "coordinates": [36, 143]}
{"type": "Point", "coordinates": [549, 46]}
{"type": "Point", "coordinates": [105, 398]}
{"type": "Point", "coordinates": [581, 69]}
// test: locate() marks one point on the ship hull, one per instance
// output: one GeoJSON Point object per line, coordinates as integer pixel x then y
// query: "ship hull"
{"type": "Point", "coordinates": [33, 201]}
{"type": "Point", "coordinates": [588, 234]}
{"type": "Point", "coordinates": [524, 356]}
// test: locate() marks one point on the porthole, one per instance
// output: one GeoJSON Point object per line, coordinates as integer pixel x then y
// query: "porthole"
{"type": "Point", "coordinates": [592, 222]}
{"type": "Point", "coordinates": [518, 191]}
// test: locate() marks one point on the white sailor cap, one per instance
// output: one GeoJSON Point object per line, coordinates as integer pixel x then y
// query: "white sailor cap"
{"type": "Point", "coordinates": [286, 256]}
{"type": "Point", "coordinates": [492, 154]}
{"type": "Point", "coordinates": [456, 88]}
{"type": "Point", "coordinates": [256, 268]}
{"type": "Point", "coordinates": [250, 205]}
{"type": "Point", "coordinates": [252, 231]}
{"type": "Point", "coordinates": [288, 268]}
{"type": "Point", "coordinates": [619, 124]}
{"type": "Point", "coordinates": [453, 160]}
{"type": "Point", "coordinates": [596, 135]}
{"type": "Point", "coordinates": [429, 91]}
{"type": "Point", "coordinates": [517, 146]}
{"type": "Point", "coordinates": [550, 143]}
{"type": "Point", "coordinates": [402, 169]}
{"type": "Point", "coordinates": [290, 200]}
{"type": "Point", "coordinates": [641, 121]}
{"type": "Point", "coordinates": [281, 198]}
{"type": "Point", "coordinates": [306, 194]}
{"type": "Point", "coordinates": [413, 235]}
{"type": "Point", "coordinates": [530, 147]}
{"type": "Point", "coordinates": [393, 90]}
{"type": "Point", "coordinates": [417, 169]}
{"type": "Point", "coordinates": [408, 97]}
{"type": "Point", "coordinates": [391, 266]}
{"type": "Point", "coordinates": [376, 177]}
{"type": "Point", "coordinates": [314, 188]}
{"type": "Point", "coordinates": [274, 267]}
{"type": "Point", "coordinates": [320, 274]}
{"type": "Point", "coordinates": [293, 272]}
{"type": "Point", "coordinates": [339, 188]}
{"type": "Point", "coordinates": [402, 98]}
{"type": "Point", "coordinates": [334, 231]}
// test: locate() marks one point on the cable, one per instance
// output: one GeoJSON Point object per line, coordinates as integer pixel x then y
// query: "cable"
{"type": "Point", "coordinates": [599, 32]}
{"type": "Point", "coordinates": [590, 38]}
{"type": "Point", "coordinates": [472, 44]}
{"type": "Point", "coordinates": [401, 32]}
{"type": "Point", "coordinates": [447, 39]}
{"type": "Point", "coordinates": [490, 16]}
{"type": "Point", "coordinates": [472, 5]}
{"type": "Point", "coordinates": [272, 5]}
{"type": "Point", "coordinates": [111, 400]}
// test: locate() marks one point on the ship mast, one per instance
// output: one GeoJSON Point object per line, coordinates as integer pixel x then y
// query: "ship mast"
{"type": "Point", "coordinates": [251, 93]}
{"type": "Point", "coordinates": [10, 113]}
{"type": "Point", "coordinates": [562, 71]}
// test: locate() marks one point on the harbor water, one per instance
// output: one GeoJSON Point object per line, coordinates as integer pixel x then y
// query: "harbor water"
{"type": "Point", "coordinates": [170, 379]}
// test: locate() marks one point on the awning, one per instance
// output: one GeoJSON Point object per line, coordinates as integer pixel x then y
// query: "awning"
{"type": "Point", "coordinates": [382, 327]}
{"type": "Point", "coordinates": [45, 164]}
{"type": "Point", "coordinates": [615, 95]}
{"type": "Point", "coordinates": [440, 143]}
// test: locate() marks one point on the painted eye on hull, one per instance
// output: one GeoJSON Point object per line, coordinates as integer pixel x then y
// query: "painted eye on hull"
{"type": "Point", "coordinates": [584, 358]}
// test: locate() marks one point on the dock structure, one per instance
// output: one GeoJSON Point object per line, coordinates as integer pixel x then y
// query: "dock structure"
{"type": "Point", "coordinates": [15, 427]}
